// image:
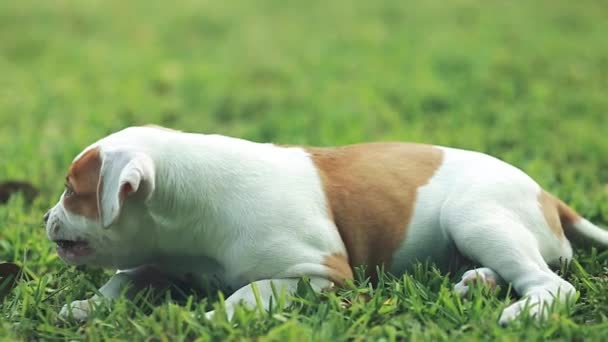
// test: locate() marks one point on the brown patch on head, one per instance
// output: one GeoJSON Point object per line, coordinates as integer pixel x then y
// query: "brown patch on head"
{"type": "Point", "coordinates": [557, 213]}
{"type": "Point", "coordinates": [339, 271]}
{"type": "Point", "coordinates": [371, 191]}
{"type": "Point", "coordinates": [82, 181]}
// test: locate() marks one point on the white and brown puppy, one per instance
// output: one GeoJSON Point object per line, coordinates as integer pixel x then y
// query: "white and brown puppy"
{"type": "Point", "coordinates": [210, 206]}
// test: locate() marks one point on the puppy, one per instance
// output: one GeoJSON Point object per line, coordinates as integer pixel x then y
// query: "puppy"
{"type": "Point", "coordinates": [213, 207]}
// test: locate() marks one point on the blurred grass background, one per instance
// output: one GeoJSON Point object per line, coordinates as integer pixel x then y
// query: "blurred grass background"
{"type": "Point", "coordinates": [524, 81]}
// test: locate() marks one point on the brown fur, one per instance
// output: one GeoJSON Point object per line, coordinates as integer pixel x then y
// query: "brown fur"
{"type": "Point", "coordinates": [83, 179]}
{"type": "Point", "coordinates": [557, 213]}
{"type": "Point", "coordinates": [339, 269]}
{"type": "Point", "coordinates": [566, 214]}
{"type": "Point", "coordinates": [548, 205]}
{"type": "Point", "coordinates": [371, 191]}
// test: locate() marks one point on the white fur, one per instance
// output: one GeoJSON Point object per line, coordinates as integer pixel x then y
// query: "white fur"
{"type": "Point", "coordinates": [241, 212]}
{"type": "Point", "coordinates": [221, 207]}
{"type": "Point", "coordinates": [591, 232]}
{"type": "Point", "coordinates": [489, 212]}
{"type": "Point", "coordinates": [466, 186]}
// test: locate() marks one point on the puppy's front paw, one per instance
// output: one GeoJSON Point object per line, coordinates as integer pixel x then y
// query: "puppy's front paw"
{"type": "Point", "coordinates": [78, 310]}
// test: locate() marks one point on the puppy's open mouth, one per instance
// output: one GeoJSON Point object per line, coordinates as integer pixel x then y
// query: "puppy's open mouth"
{"type": "Point", "coordinates": [70, 249]}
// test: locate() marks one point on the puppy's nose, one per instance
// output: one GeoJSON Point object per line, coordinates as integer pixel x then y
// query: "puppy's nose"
{"type": "Point", "coordinates": [46, 217]}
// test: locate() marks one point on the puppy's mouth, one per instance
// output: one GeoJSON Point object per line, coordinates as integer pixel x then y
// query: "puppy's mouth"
{"type": "Point", "coordinates": [73, 249]}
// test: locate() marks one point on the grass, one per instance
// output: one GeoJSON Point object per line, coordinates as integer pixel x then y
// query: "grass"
{"type": "Point", "coordinates": [524, 81]}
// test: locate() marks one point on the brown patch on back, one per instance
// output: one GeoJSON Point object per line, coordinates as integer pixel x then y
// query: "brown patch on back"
{"type": "Point", "coordinates": [556, 213]}
{"type": "Point", "coordinates": [339, 269]}
{"type": "Point", "coordinates": [83, 179]}
{"type": "Point", "coordinates": [371, 191]}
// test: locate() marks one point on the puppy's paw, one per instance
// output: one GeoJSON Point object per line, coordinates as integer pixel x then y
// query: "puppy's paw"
{"type": "Point", "coordinates": [513, 311]}
{"type": "Point", "coordinates": [228, 314]}
{"type": "Point", "coordinates": [78, 310]}
{"type": "Point", "coordinates": [484, 276]}
{"type": "Point", "coordinates": [538, 304]}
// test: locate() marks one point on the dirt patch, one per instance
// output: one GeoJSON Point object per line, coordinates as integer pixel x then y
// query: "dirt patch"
{"type": "Point", "coordinates": [9, 273]}
{"type": "Point", "coordinates": [8, 188]}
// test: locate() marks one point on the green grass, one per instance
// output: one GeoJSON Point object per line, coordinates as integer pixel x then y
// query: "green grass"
{"type": "Point", "coordinates": [524, 81]}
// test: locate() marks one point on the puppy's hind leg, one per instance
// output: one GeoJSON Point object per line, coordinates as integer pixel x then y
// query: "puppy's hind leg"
{"type": "Point", "coordinates": [264, 291]}
{"type": "Point", "coordinates": [498, 240]}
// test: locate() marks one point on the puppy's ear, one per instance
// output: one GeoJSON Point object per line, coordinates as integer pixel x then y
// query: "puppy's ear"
{"type": "Point", "coordinates": [123, 173]}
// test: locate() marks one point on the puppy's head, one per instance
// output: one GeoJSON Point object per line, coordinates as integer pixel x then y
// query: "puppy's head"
{"type": "Point", "coordinates": [99, 217]}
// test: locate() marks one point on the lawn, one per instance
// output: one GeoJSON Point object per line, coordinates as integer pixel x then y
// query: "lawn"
{"type": "Point", "coordinates": [524, 81]}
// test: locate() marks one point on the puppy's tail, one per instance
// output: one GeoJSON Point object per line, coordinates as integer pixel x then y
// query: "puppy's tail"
{"type": "Point", "coordinates": [578, 228]}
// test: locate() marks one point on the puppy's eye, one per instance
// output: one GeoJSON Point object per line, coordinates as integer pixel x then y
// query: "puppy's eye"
{"type": "Point", "coordinates": [68, 191]}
